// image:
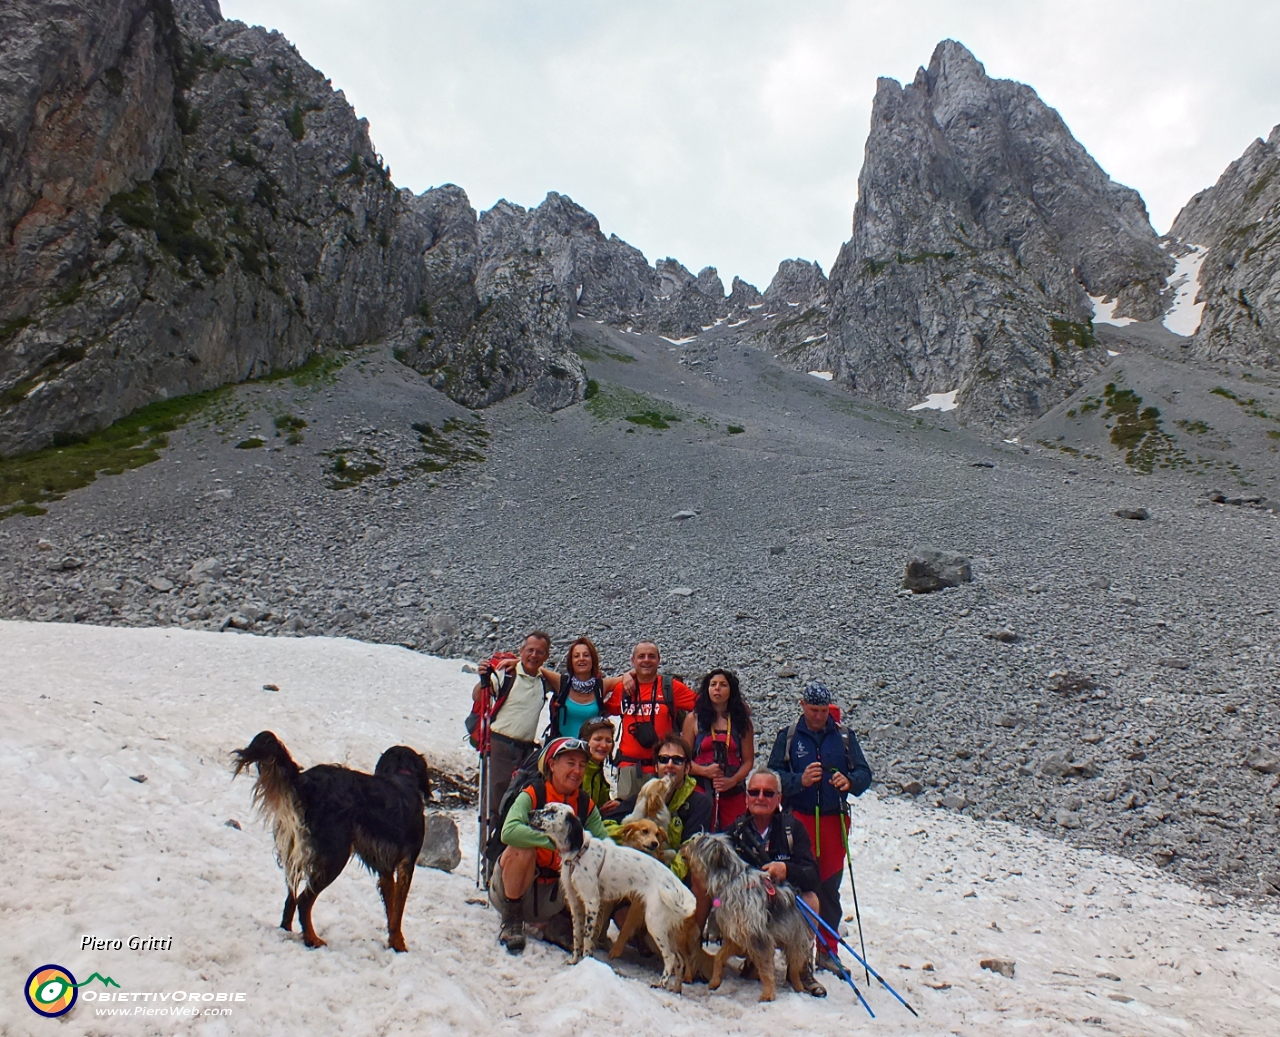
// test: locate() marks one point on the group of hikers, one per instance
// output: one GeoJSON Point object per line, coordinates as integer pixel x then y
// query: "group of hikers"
{"type": "Point", "coordinates": [789, 818]}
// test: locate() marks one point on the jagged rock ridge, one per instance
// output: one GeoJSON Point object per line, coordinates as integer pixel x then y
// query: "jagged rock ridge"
{"type": "Point", "coordinates": [1238, 220]}
{"type": "Point", "coordinates": [981, 226]}
{"type": "Point", "coordinates": [185, 202]}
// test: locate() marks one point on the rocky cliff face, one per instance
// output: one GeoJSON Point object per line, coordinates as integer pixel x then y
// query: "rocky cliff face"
{"type": "Point", "coordinates": [185, 202]}
{"type": "Point", "coordinates": [981, 227]}
{"type": "Point", "coordinates": [494, 317]}
{"type": "Point", "coordinates": [1238, 220]}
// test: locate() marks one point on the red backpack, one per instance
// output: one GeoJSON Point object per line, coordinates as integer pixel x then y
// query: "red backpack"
{"type": "Point", "coordinates": [485, 708]}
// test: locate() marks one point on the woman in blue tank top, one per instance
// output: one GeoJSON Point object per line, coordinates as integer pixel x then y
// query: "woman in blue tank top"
{"type": "Point", "coordinates": [580, 691]}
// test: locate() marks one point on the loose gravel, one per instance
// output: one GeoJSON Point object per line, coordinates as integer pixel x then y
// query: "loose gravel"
{"type": "Point", "coordinates": [1109, 681]}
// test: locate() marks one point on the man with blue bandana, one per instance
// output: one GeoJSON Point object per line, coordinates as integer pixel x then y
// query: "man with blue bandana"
{"type": "Point", "coordinates": [820, 764]}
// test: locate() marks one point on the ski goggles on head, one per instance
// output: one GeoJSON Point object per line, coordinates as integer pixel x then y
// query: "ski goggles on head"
{"type": "Point", "coordinates": [566, 745]}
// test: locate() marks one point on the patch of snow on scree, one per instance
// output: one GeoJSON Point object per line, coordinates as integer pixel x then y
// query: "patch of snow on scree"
{"type": "Point", "coordinates": [89, 851]}
{"type": "Point", "coordinates": [943, 401]}
{"type": "Point", "coordinates": [1102, 313]}
{"type": "Point", "coordinates": [1183, 317]}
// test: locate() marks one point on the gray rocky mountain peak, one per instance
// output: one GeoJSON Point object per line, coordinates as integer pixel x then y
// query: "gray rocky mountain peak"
{"type": "Point", "coordinates": [980, 230]}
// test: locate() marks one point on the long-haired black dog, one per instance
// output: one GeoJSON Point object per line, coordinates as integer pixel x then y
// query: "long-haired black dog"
{"type": "Point", "coordinates": [320, 815]}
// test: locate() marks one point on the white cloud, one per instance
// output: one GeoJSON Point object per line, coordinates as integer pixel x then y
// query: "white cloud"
{"type": "Point", "coordinates": [732, 134]}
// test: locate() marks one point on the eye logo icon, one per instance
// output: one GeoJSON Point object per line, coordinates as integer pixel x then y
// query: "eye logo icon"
{"type": "Point", "coordinates": [51, 991]}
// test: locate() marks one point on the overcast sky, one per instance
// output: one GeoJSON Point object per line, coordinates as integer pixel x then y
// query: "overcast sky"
{"type": "Point", "coordinates": [731, 133]}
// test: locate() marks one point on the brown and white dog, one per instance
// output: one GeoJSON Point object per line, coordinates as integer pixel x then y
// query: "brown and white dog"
{"type": "Point", "coordinates": [596, 873]}
{"type": "Point", "coordinates": [643, 835]}
{"type": "Point", "coordinates": [651, 802]}
{"type": "Point", "coordinates": [754, 915]}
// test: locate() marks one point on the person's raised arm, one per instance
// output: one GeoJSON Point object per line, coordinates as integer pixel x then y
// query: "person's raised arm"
{"type": "Point", "coordinates": [485, 672]}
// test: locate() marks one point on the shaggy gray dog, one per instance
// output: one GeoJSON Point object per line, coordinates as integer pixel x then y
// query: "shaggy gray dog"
{"type": "Point", "coordinates": [755, 915]}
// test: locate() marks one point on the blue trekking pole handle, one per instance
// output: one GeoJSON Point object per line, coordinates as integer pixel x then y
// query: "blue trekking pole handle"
{"type": "Point", "coordinates": [843, 973]}
{"type": "Point", "coordinates": [810, 913]}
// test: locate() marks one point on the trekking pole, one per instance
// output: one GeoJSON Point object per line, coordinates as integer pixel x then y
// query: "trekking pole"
{"type": "Point", "coordinates": [842, 972]}
{"type": "Point", "coordinates": [482, 836]}
{"type": "Point", "coordinates": [857, 913]}
{"type": "Point", "coordinates": [484, 793]}
{"type": "Point", "coordinates": [810, 913]}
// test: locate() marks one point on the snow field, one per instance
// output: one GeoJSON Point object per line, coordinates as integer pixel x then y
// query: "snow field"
{"type": "Point", "coordinates": [943, 401]}
{"type": "Point", "coordinates": [1103, 311]}
{"type": "Point", "coordinates": [90, 851]}
{"type": "Point", "coordinates": [1183, 317]}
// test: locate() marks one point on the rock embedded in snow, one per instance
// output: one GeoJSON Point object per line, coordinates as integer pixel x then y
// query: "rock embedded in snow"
{"type": "Point", "coordinates": [1004, 966]}
{"type": "Point", "coordinates": [929, 569]}
{"type": "Point", "coordinates": [441, 848]}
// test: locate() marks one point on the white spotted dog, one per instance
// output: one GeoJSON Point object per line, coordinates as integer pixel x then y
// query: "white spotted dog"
{"type": "Point", "coordinates": [596, 873]}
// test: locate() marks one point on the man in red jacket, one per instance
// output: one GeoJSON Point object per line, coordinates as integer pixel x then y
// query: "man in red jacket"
{"type": "Point", "coordinates": [646, 701]}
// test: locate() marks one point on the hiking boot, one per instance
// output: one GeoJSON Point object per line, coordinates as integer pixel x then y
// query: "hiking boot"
{"type": "Point", "coordinates": [827, 961]}
{"type": "Point", "coordinates": [511, 935]}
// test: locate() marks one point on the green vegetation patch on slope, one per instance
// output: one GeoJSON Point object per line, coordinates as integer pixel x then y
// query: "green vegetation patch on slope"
{"type": "Point", "coordinates": [597, 351]}
{"type": "Point", "coordinates": [74, 461]}
{"type": "Point", "coordinates": [614, 403]}
{"type": "Point", "coordinates": [1137, 431]}
{"type": "Point", "coordinates": [454, 442]}
{"type": "Point", "coordinates": [319, 369]}
{"type": "Point", "coordinates": [344, 474]}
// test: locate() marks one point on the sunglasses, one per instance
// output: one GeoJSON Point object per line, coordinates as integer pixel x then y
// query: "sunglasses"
{"type": "Point", "coordinates": [671, 759]}
{"type": "Point", "coordinates": [766, 793]}
{"type": "Point", "coordinates": [572, 745]}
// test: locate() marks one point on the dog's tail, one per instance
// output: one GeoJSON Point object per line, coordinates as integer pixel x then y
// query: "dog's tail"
{"type": "Point", "coordinates": [275, 794]}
